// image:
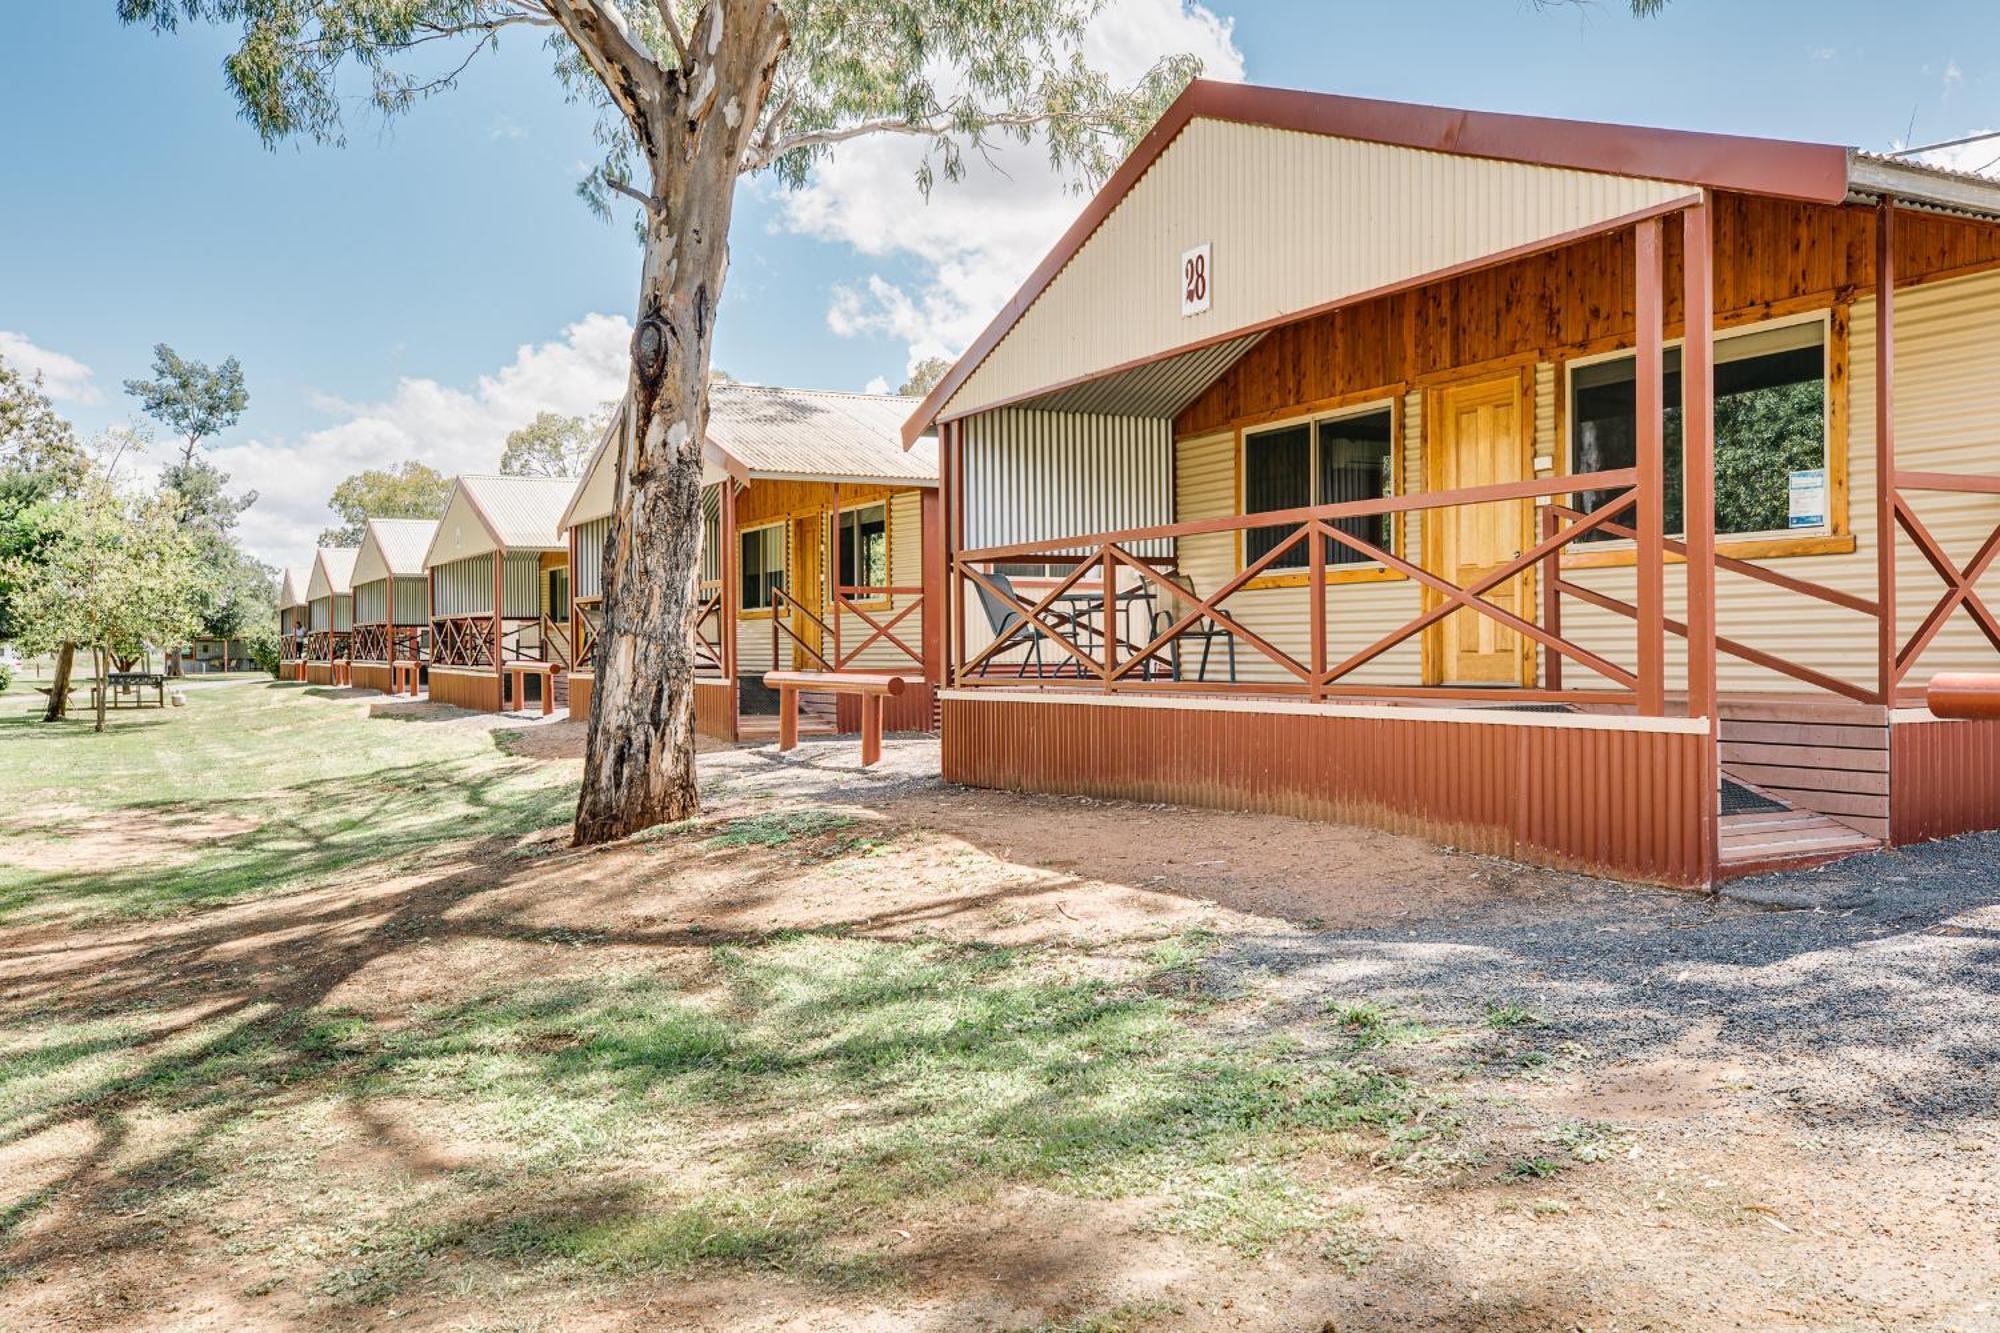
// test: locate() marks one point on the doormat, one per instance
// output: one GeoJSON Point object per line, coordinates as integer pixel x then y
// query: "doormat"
{"type": "Point", "coordinates": [1738, 799]}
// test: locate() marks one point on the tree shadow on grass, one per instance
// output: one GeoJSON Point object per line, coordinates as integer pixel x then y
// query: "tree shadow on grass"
{"type": "Point", "coordinates": [305, 833]}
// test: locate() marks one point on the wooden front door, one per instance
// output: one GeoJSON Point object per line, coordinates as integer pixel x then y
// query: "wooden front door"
{"type": "Point", "coordinates": [805, 581]}
{"type": "Point", "coordinates": [1479, 437]}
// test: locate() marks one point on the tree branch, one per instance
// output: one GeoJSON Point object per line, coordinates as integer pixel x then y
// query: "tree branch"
{"type": "Point", "coordinates": [673, 26]}
{"type": "Point", "coordinates": [944, 125]}
{"type": "Point", "coordinates": [647, 201]}
{"type": "Point", "coordinates": [636, 83]}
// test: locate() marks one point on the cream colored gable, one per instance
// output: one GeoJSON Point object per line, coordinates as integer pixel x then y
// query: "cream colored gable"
{"type": "Point", "coordinates": [369, 566]}
{"type": "Point", "coordinates": [595, 492]}
{"type": "Point", "coordinates": [461, 533]}
{"type": "Point", "coordinates": [1293, 222]}
{"type": "Point", "coordinates": [317, 586]}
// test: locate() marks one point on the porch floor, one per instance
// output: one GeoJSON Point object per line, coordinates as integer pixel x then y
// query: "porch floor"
{"type": "Point", "coordinates": [1784, 840]}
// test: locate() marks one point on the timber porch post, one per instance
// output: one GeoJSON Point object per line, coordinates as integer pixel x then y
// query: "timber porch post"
{"type": "Point", "coordinates": [1650, 407]}
{"type": "Point", "coordinates": [931, 521]}
{"type": "Point", "coordinates": [1698, 488]}
{"type": "Point", "coordinates": [389, 634]}
{"type": "Point", "coordinates": [499, 659]}
{"type": "Point", "coordinates": [1885, 450]}
{"type": "Point", "coordinates": [731, 590]}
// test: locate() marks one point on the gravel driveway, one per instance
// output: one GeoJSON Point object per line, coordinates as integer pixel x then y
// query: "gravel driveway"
{"type": "Point", "coordinates": [1869, 990]}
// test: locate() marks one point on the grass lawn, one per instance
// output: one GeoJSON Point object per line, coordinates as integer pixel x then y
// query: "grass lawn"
{"type": "Point", "coordinates": [330, 1035]}
{"type": "Point", "coordinates": [241, 791]}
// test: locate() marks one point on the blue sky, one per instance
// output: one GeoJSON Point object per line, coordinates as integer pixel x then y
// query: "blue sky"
{"type": "Point", "coordinates": [434, 281]}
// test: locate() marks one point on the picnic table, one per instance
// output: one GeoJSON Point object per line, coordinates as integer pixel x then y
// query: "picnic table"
{"type": "Point", "coordinates": [128, 690]}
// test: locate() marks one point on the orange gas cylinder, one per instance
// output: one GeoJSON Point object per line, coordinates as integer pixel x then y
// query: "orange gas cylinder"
{"type": "Point", "coordinates": [1964, 694]}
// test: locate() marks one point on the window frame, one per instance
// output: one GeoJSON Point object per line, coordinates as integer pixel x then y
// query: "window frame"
{"type": "Point", "coordinates": [888, 549]}
{"type": "Point", "coordinates": [784, 526]}
{"type": "Point", "coordinates": [1360, 571]}
{"type": "Point", "coordinates": [1835, 537]}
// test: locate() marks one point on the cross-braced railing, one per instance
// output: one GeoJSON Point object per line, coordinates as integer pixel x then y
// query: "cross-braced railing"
{"type": "Point", "coordinates": [409, 643]}
{"type": "Point", "coordinates": [370, 643]}
{"type": "Point", "coordinates": [1961, 592]}
{"type": "Point", "coordinates": [883, 610]}
{"type": "Point", "coordinates": [589, 620]}
{"type": "Point", "coordinates": [328, 645]}
{"type": "Point", "coordinates": [708, 632]}
{"type": "Point", "coordinates": [788, 617]}
{"type": "Point", "coordinates": [462, 641]}
{"type": "Point", "coordinates": [1087, 616]}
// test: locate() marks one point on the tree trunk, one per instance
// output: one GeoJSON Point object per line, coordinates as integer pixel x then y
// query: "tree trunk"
{"type": "Point", "coordinates": [639, 758]}
{"type": "Point", "coordinates": [58, 708]}
{"type": "Point", "coordinates": [101, 659]}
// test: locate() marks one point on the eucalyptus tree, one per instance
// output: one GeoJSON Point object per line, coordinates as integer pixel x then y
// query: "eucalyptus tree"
{"type": "Point", "coordinates": [693, 95]}
{"type": "Point", "coordinates": [192, 397]}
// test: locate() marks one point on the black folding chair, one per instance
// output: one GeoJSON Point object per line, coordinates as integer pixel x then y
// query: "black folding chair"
{"type": "Point", "coordinates": [1008, 623]}
{"type": "Point", "coordinates": [1183, 600]}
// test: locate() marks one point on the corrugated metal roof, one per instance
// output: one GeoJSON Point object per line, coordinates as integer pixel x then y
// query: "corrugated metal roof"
{"type": "Point", "coordinates": [817, 433]}
{"type": "Point", "coordinates": [333, 571]}
{"type": "Point", "coordinates": [525, 513]}
{"type": "Point", "coordinates": [393, 547]}
{"type": "Point", "coordinates": [1945, 189]}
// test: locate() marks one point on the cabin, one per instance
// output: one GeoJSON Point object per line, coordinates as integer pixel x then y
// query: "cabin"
{"type": "Point", "coordinates": [498, 573]}
{"type": "Point", "coordinates": [206, 654]}
{"type": "Point", "coordinates": [816, 522]}
{"type": "Point", "coordinates": [392, 602]}
{"type": "Point", "coordinates": [1595, 496]}
{"type": "Point", "coordinates": [293, 623]}
{"type": "Point", "coordinates": [330, 612]}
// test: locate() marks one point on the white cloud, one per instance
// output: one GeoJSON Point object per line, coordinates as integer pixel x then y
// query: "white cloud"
{"type": "Point", "coordinates": [1822, 53]}
{"type": "Point", "coordinates": [976, 240]}
{"type": "Point", "coordinates": [63, 377]}
{"type": "Point", "coordinates": [1982, 155]}
{"type": "Point", "coordinates": [1953, 75]}
{"type": "Point", "coordinates": [877, 385]}
{"type": "Point", "coordinates": [452, 429]}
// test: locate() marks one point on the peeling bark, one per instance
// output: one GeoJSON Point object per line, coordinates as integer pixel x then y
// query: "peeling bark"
{"type": "Point", "coordinates": [639, 759]}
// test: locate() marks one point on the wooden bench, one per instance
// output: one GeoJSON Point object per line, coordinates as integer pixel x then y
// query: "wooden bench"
{"type": "Point", "coordinates": [132, 684]}
{"type": "Point", "coordinates": [406, 672]}
{"type": "Point", "coordinates": [872, 689]}
{"type": "Point", "coordinates": [517, 684]}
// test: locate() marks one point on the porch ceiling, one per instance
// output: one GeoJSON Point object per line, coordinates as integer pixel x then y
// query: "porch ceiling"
{"type": "Point", "coordinates": [1154, 389]}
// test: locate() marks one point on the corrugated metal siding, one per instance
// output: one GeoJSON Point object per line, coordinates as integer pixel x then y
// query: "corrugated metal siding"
{"type": "Point", "coordinates": [1038, 476]}
{"type": "Point", "coordinates": [588, 578]}
{"type": "Point", "coordinates": [1156, 389]}
{"type": "Point", "coordinates": [1947, 396]}
{"type": "Point", "coordinates": [343, 612]}
{"type": "Point", "coordinates": [464, 587]}
{"type": "Point", "coordinates": [1623, 803]}
{"type": "Point", "coordinates": [321, 612]}
{"type": "Point", "coordinates": [1295, 221]}
{"type": "Point", "coordinates": [1944, 779]}
{"type": "Point", "coordinates": [371, 603]}
{"type": "Point", "coordinates": [711, 532]}
{"type": "Point", "coordinates": [524, 585]}
{"type": "Point", "coordinates": [412, 601]}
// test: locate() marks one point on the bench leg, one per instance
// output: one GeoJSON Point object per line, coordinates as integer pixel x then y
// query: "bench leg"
{"type": "Point", "coordinates": [871, 729]}
{"type": "Point", "coordinates": [548, 695]}
{"type": "Point", "coordinates": [788, 718]}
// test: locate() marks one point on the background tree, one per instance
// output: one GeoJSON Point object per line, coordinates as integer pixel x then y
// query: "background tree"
{"type": "Point", "coordinates": [240, 589]}
{"type": "Point", "coordinates": [42, 464]}
{"type": "Point", "coordinates": [411, 490]}
{"type": "Point", "coordinates": [113, 576]}
{"type": "Point", "coordinates": [694, 94]}
{"type": "Point", "coordinates": [924, 377]}
{"type": "Point", "coordinates": [553, 445]}
{"type": "Point", "coordinates": [190, 398]}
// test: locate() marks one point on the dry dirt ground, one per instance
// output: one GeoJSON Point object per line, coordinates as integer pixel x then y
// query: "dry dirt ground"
{"type": "Point", "coordinates": [1605, 1142]}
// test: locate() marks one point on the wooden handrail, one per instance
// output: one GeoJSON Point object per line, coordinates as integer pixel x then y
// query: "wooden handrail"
{"type": "Point", "coordinates": [1535, 488]}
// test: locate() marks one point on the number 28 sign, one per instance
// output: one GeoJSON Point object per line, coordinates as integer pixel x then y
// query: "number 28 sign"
{"type": "Point", "coordinates": [1197, 279]}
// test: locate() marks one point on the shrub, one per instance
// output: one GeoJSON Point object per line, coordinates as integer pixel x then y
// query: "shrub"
{"type": "Point", "coordinates": [6, 677]}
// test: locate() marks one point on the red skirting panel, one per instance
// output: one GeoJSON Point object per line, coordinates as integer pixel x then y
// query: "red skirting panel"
{"type": "Point", "coordinates": [319, 673]}
{"type": "Point", "coordinates": [715, 709]}
{"type": "Point", "coordinates": [580, 683]}
{"type": "Point", "coordinates": [477, 690]}
{"type": "Point", "coordinates": [1944, 779]}
{"type": "Point", "coordinates": [912, 710]}
{"type": "Point", "coordinates": [371, 676]}
{"type": "Point", "coordinates": [1616, 802]}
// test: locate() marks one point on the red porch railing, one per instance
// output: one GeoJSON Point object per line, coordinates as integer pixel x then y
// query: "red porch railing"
{"type": "Point", "coordinates": [328, 645]}
{"type": "Point", "coordinates": [836, 650]}
{"type": "Point", "coordinates": [1101, 652]}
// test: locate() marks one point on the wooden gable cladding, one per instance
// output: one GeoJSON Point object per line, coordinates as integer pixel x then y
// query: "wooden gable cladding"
{"type": "Point", "coordinates": [764, 501]}
{"type": "Point", "coordinates": [1772, 256]}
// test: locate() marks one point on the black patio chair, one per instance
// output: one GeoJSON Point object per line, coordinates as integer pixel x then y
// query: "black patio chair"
{"type": "Point", "coordinates": [1181, 600]}
{"type": "Point", "coordinates": [1008, 623]}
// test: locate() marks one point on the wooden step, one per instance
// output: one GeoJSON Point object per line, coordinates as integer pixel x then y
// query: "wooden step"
{"type": "Point", "coordinates": [1789, 840]}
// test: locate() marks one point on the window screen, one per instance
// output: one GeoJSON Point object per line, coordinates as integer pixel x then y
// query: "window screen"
{"type": "Point", "coordinates": [1770, 430]}
{"type": "Point", "coordinates": [1333, 461]}
{"type": "Point", "coordinates": [864, 547]}
{"type": "Point", "coordinates": [763, 566]}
